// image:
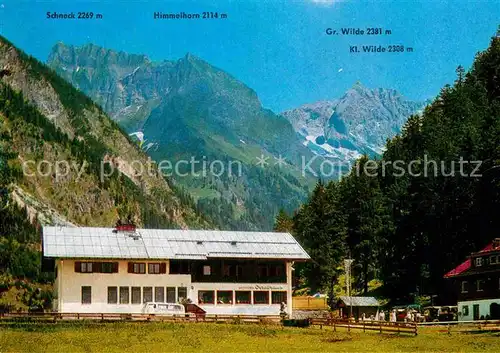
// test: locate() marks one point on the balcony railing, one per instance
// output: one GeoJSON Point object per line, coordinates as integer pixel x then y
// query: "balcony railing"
{"type": "Point", "coordinates": [238, 279]}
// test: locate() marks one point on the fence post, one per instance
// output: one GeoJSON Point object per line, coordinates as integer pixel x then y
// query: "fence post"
{"type": "Point", "coordinates": [416, 329]}
{"type": "Point", "coordinates": [363, 326]}
{"type": "Point", "coordinates": [380, 327]}
{"type": "Point", "coordinates": [334, 327]}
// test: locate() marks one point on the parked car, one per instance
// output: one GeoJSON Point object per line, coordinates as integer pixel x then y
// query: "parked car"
{"type": "Point", "coordinates": [402, 311]}
{"type": "Point", "coordinates": [440, 313]}
{"type": "Point", "coordinates": [163, 308]}
{"type": "Point", "coordinates": [400, 314]}
{"type": "Point", "coordinates": [431, 313]}
{"type": "Point", "coordinates": [448, 313]}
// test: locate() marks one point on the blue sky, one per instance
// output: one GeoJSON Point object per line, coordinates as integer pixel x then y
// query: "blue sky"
{"type": "Point", "coordinates": [278, 48]}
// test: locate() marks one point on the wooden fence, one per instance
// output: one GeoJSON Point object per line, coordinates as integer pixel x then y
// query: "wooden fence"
{"type": "Point", "coordinates": [307, 303]}
{"type": "Point", "coordinates": [50, 316]}
{"type": "Point", "coordinates": [380, 326]}
{"type": "Point", "coordinates": [464, 326]}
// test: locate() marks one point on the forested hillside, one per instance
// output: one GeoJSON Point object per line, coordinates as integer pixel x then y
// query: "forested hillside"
{"type": "Point", "coordinates": [45, 123]}
{"type": "Point", "coordinates": [188, 109]}
{"type": "Point", "coordinates": [44, 120]}
{"type": "Point", "coordinates": [23, 285]}
{"type": "Point", "coordinates": [409, 228]}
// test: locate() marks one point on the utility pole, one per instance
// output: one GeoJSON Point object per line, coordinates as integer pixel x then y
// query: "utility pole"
{"type": "Point", "coordinates": [347, 264]}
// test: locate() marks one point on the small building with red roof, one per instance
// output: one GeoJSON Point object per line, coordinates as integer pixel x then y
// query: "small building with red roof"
{"type": "Point", "coordinates": [477, 281]}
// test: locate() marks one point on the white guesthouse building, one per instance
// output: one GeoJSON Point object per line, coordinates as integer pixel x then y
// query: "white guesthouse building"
{"type": "Point", "coordinates": [116, 270]}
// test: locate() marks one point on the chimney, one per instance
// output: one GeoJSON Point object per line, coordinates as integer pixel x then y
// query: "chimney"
{"type": "Point", "coordinates": [125, 228]}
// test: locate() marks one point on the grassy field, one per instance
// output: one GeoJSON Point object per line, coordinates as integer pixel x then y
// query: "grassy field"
{"type": "Point", "coordinates": [204, 337]}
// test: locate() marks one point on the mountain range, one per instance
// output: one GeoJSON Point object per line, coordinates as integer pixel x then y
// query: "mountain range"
{"type": "Point", "coordinates": [188, 109]}
{"type": "Point", "coordinates": [357, 123]}
{"type": "Point", "coordinates": [44, 123]}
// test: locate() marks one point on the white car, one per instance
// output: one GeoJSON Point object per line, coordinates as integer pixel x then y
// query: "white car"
{"type": "Point", "coordinates": [163, 309]}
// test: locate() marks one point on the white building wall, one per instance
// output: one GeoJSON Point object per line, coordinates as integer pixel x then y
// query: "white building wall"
{"type": "Point", "coordinates": [69, 286]}
{"type": "Point", "coordinates": [248, 309]}
{"type": "Point", "coordinates": [241, 309]}
{"type": "Point", "coordinates": [484, 308]}
{"type": "Point", "coordinates": [71, 282]}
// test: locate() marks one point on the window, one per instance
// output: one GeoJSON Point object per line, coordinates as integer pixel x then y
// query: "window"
{"type": "Point", "coordinates": [136, 267]}
{"type": "Point", "coordinates": [136, 295]}
{"type": "Point", "coordinates": [112, 295]}
{"type": "Point", "coordinates": [109, 267]}
{"type": "Point", "coordinates": [182, 293]}
{"type": "Point", "coordinates": [86, 267]}
{"type": "Point", "coordinates": [227, 270]}
{"type": "Point", "coordinates": [207, 270]}
{"type": "Point", "coordinates": [494, 260]}
{"type": "Point", "coordinates": [263, 271]}
{"type": "Point", "coordinates": [124, 296]}
{"type": "Point", "coordinates": [224, 297]}
{"type": "Point", "coordinates": [243, 297]}
{"type": "Point", "coordinates": [206, 296]}
{"type": "Point", "coordinates": [179, 267]}
{"type": "Point", "coordinates": [479, 261]}
{"type": "Point", "coordinates": [465, 287]}
{"type": "Point", "coordinates": [261, 297]}
{"type": "Point", "coordinates": [480, 285]}
{"type": "Point", "coordinates": [86, 295]}
{"type": "Point", "coordinates": [156, 268]}
{"type": "Point", "coordinates": [96, 267]}
{"type": "Point", "coordinates": [465, 310]}
{"type": "Point", "coordinates": [277, 270]}
{"type": "Point", "coordinates": [278, 297]}
{"type": "Point", "coordinates": [159, 294]}
{"type": "Point", "coordinates": [147, 294]}
{"type": "Point", "coordinates": [170, 294]}
{"type": "Point", "coordinates": [239, 271]}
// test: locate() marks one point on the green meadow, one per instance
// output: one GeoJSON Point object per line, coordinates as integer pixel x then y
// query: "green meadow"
{"type": "Point", "coordinates": [212, 337]}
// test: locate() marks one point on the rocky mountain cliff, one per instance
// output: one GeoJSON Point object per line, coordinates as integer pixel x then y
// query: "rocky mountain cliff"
{"type": "Point", "coordinates": [188, 109]}
{"type": "Point", "coordinates": [44, 122]}
{"type": "Point", "coordinates": [358, 123]}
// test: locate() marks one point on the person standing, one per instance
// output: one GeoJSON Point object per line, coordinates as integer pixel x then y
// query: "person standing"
{"type": "Point", "coordinates": [393, 315]}
{"type": "Point", "coordinates": [283, 312]}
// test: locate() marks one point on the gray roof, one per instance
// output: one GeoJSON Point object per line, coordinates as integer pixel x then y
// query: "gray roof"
{"type": "Point", "coordinates": [360, 301]}
{"type": "Point", "coordinates": [85, 242]}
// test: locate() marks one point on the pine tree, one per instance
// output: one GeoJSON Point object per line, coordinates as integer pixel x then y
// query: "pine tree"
{"type": "Point", "coordinates": [368, 219]}
{"type": "Point", "coordinates": [283, 223]}
{"type": "Point", "coordinates": [320, 228]}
